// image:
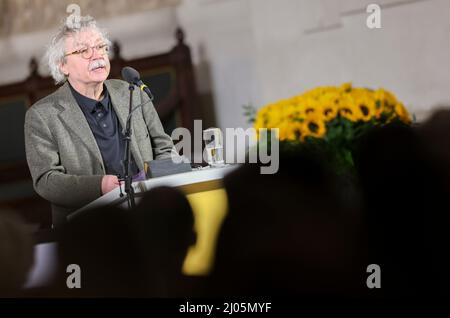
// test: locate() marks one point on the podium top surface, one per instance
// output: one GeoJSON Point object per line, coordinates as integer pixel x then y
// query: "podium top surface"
{"type": "Point", "coordinates": [196, 177]}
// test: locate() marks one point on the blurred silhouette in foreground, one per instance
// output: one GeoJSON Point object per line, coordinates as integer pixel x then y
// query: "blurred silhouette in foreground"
{"type": "Point", "coordinates": [104, 243]}
{"type": "Point", "coordinates": [166, 225]}
{"type": "Point", "coordinates": [403, 195]}
{"type": "Point", "coordinates": [436, 134]}
{"type": "Point", "coordinates": [16, 254]}
{"type": "Point", "coordinates": [123, 253]}
{"type": "Point", "coordinates": [287, 234]}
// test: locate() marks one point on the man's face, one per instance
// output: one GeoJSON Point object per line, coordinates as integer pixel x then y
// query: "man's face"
{"type": "Point", "coordinates": [82, 69]}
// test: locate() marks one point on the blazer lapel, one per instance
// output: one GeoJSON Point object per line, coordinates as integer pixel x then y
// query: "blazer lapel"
{"type": "Point", "coordinates": [77, 123]}
{"type": "Point", "coordinates": [121, 100]}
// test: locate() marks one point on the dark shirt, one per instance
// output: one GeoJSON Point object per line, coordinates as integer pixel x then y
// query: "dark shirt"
{"type": "Point", "coordinates": [107, 131]}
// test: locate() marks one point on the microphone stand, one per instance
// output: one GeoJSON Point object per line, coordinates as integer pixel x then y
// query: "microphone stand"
{"type": "Point", "coordinates": [126, 162]}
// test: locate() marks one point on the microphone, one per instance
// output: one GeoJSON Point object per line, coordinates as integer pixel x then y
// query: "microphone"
{"type": "Point", "coordinates": [132, 76]}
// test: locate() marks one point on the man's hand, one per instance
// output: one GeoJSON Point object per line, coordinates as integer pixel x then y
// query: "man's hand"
{"type": "Point", "coordinates": [109, 182]}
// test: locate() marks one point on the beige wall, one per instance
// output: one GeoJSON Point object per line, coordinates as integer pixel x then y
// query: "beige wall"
{"type": "Point", "coordinates": [408, 55]}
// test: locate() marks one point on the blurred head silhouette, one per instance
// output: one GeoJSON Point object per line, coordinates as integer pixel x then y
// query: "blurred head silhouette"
{"type": "Point", "coordinates": [16, 254]}
{"type": "Point", "coordinates": [167, 230]}
{"type": "Point", "coordinates": [285, 234]}
{"type": "Point", "coordinates": [104, 244]}
{"type": "Point", "coordinates": [401, 190]}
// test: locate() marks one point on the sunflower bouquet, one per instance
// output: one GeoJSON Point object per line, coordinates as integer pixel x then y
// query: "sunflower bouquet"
{"type": "Point", "coordinates": [331, 118]}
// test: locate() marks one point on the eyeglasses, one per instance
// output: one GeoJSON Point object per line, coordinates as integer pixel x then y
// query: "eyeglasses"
{"type": "Point", "coordinates": [88, 51]}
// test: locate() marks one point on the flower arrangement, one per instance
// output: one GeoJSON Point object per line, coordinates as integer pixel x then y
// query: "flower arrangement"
{"type": "Point", "coordinates": [331, 117]}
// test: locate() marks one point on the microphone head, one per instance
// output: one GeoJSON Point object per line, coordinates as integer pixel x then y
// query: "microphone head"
{"type": "Point", "coordinates": [130, 75]}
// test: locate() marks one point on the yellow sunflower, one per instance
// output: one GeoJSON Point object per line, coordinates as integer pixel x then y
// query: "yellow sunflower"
{"type": "Point", "coordinates": [402, 113]}
{"type": "Point", "coordinates": [329, 112]}
{"type": "Point", "coordinates": [348, 109]}
{"type": "Point", "coordinates": [314, 126]}
{"type": "Point", "coordinates": [291, 131]}
{"type": "Point", "coordinates": [365, 106]}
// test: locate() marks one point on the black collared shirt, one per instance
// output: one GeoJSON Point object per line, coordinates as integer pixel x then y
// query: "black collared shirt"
{"type": "Point", "coordinates": [107, 131]}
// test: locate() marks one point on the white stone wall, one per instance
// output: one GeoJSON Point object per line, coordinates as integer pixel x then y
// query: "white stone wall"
{"type": "Point", "coordinates": [408, 55]}
{"type": "Point", "coordinates": [258, 51]}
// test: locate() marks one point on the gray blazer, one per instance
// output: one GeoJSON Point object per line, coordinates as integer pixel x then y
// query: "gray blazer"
{"type": "Point", "coordinates": [64, 160]}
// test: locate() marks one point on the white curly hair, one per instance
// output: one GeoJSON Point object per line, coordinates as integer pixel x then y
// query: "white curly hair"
{"type": "Point", "coordinates": [54, 55]}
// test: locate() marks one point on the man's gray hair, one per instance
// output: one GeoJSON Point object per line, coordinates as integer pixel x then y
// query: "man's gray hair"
{"type": "Point", "coordinates": [54, 55]}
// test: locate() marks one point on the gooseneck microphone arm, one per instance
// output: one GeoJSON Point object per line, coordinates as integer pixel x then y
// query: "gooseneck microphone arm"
{"type": "Point", "coordinates": [130, 75]}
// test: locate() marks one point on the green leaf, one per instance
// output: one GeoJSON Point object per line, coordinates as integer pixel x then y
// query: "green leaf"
{"type": "Point", "coordinates": [250, 113]}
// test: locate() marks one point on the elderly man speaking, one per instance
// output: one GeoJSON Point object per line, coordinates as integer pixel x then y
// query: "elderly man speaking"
{"type": "Point", "coordinates": [73, 137]}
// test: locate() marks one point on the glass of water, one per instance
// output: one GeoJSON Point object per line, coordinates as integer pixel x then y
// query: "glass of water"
{"type": "Point", "coordinates": [214, 146]}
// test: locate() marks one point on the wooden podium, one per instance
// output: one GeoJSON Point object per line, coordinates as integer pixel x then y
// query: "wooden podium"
{"type": "Point", "coordinates": [207, 197]}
